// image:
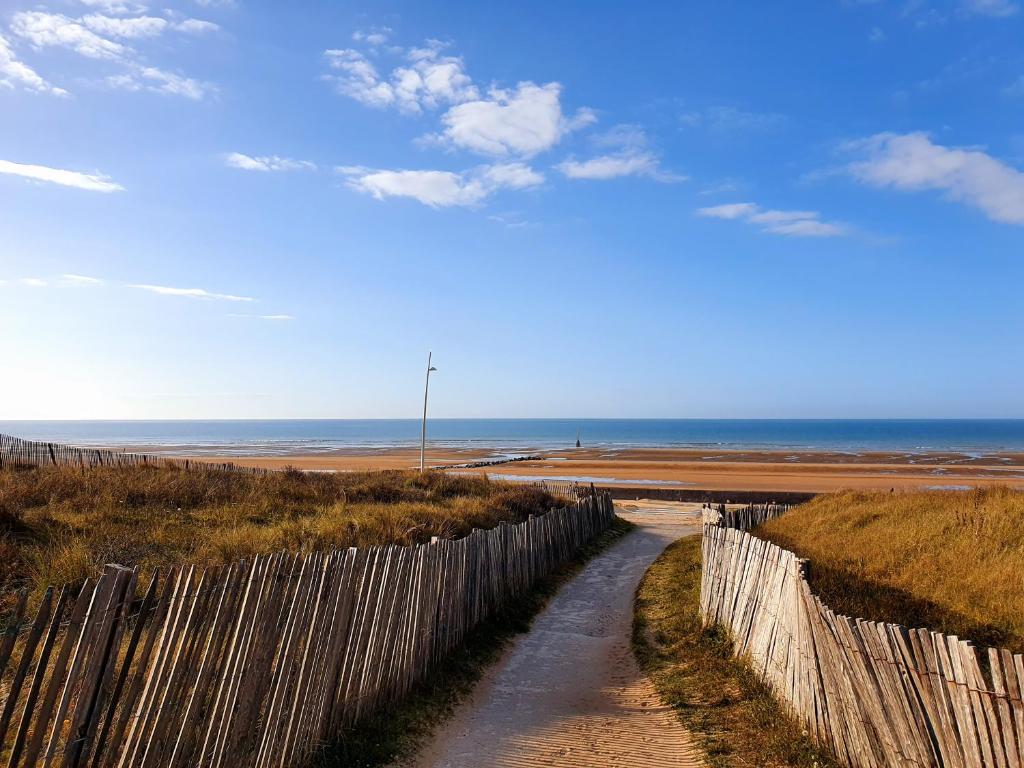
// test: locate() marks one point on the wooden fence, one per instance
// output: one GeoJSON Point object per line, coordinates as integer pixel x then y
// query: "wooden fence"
{"type": "Point", "coordinates": [875, 694]}
{"type": "Point", "coordinates": [261, 662]}
{"type": "Point", "coordinates": [14, 451]}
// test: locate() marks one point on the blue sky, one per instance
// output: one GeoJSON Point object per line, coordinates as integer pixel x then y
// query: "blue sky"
{"type": "Point", "coordinates": [244, 209]}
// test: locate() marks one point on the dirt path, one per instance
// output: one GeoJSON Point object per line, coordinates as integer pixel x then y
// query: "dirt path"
{"type": "Point", "coordinates": [569, 692]}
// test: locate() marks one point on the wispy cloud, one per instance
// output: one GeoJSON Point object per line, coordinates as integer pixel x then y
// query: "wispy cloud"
{"type": "Point", "coordinates": [106, 37]}
{"type": "Point", "coordinates": [33, 282]}
{"type": "Point", "coordinates": [994, 8]}
{"type": "Point", "coordinates": [776, 222]}
{"type": "Point", "coordinates": [155, 80]}
{"type": "Point", "coordinates": [191, 293]}
{"type": "Point", "coordinates": [14, 72]}
{"type": "Point", "coordinates": [94, 182]}
{"type": "Point", "coordinates": [512, 220]}
{"type": "Point", "coordinates": [442, 189]}
{"type": "Point", "coordinates": [372, 36]}
{"type": "Point", "coordinates": [1015, 89]}
{"type": "Point", "coordinates": [264, 317]}
{"type": "Point", "coordinates": [630, 156]}
{"type": "Point", "coordinates": [44, 29]}
{"type": "Point", "coordinates": [912, 162]}
{"type": "Point", "coordinates": [728, 119]}
{"type": "Point", "coordinates": [196, 26]}
{"type": "Point", "coordinates": [115, 6]}
{"type": "Point", "coordinates": [72, 279]}
{"type": "Point", "coordinates": [265, 163]}
{"type": "Point", "coordinates": [132, 28]}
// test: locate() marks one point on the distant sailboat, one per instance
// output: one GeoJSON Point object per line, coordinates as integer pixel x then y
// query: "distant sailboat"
{"type": "Point", "coordinates": [578, 443]}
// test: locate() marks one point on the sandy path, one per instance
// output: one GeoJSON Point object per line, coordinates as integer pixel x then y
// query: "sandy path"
{"type": "Point", "coordinates": [569, 693]}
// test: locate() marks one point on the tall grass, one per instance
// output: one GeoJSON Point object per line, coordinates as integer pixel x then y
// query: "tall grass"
{"type": "Point", "coordinates": [61, 524]}
{"type": "Point", "coordinates": [952, 561]}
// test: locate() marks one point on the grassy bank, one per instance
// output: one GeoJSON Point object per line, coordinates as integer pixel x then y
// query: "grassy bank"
{"type": "Point", "coordinates": [950, 561]}
{"type": "Point", "coordinates": [60, 524]}
{"type": "Point", "coordinates": [718, 698]}
{"type": "Point", "coordinates": [396, 734]}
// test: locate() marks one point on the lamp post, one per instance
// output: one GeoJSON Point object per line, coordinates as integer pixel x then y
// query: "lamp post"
{"type": "Point", "coordinates": [423, 431]}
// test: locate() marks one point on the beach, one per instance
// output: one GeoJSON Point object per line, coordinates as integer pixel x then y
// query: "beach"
{"type": "Point", "coordinates": [722, 470]}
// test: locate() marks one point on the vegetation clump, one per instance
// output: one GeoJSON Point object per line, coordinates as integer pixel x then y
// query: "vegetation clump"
{"type": "Point", "coordinates": [731, 713]}
{"type": "Point", "coordinates": [61, 524]}
{"type": "Point", "coordinates": [951, 561]}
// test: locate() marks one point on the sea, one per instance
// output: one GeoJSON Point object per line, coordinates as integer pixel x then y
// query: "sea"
{"type": "Point", "coordinates": [512, 437]}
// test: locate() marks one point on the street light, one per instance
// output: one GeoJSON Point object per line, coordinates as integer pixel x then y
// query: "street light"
{"type": "Point", "coordinates": [423, 432]}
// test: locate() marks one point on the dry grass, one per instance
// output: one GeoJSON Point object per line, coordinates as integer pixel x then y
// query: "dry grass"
{"type": "Point", "coordinates": [59, 524]}
{"type": "Point", "coordinates": [719, 698]}
{"type": "Point", "coordinates": [951, 561]}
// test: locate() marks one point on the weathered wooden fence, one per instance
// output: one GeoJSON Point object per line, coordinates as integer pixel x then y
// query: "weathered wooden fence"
{"type": "Point", "coordinates": [14, 451]}
{"type": "Point", "coordinates": [876, 694]}
{"type": "Point", "coordinates": [260, 662]}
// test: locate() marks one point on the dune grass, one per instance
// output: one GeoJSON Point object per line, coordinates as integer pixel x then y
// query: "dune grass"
{"type": "Point", "coordinates": [720, 699]}
{"type": "Point", "coordinates": [951, 561]}
{"type": "Point", "coordinates": [61, 524]}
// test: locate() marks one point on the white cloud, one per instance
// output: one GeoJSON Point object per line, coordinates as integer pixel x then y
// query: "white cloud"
{"type": "Point", "coordinates": [54, 29]}
{"type": "Point", "coordinates": [95, 182]}
{"type": "Point", "coordinates": [90, 37]}
{"type": "Point", "coordinates": [631, 156]}
{"type": "Point", "coordinates": [438, 189]}
{"type": "Point", "coordinates": [729, 210]}
{"type": "Point", "coordinates": [513, 175]}
{"type": "Point", "coordinates": [442, 189]}
{"type": "Point", "coordinates": [196, 26]}
{"type": "Point", "coordinates": [876, 35]}
{"type": "Point", "coordinates": [191, 293]}
{"type": "Point", "coordinates": [426, 81]}
{"type": "Point", "coordinates": [115, 6]}
{"type": "Point", "coordinates": [372, 36]}
{"type": "Point", "coordinates": [80, 279]}
{"type": "Point", "coordinates": [276, 317]}
{"type": "Point", "coordinates": [996, 8]}
{"type": "Point", "coordinates": [33, 282]}
{"type": "Point", "coordinates": [13, 71]}
{"type": "Point", "coordinates": [807, 228]}
{"type": "Point", "coordinates": [611, 166]}
{"type": "Point", "coordinates": [130, 28]}
{"type": "Point", "coordinates": [265, 163]}
{"type": "Point", "coordinates": [523, 121]}
{"type": "Point", "coordinates": [913, 162]}
{"type": "Point", "coordinates": [359, 79]}
{"type": "Point", "coordinates": [776, 222]}
{"type": "Point", "coordinates": [217, 3]}
{"type": "Point", "coordinates": [141, 78]}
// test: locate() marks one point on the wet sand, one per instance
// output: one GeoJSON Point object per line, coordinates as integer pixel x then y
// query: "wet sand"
{"type": "Point", "coordinates": [807, 471]}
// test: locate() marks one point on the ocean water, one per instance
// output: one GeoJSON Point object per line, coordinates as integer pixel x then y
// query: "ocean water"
{"type": "Point", "coordinates": [517, 436]}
